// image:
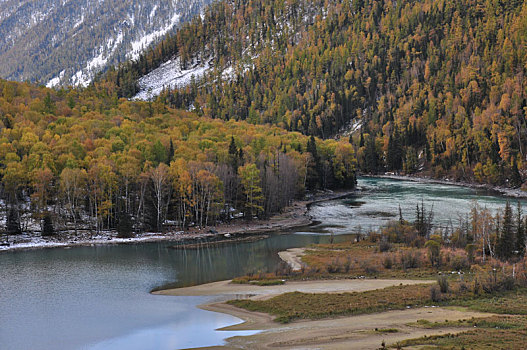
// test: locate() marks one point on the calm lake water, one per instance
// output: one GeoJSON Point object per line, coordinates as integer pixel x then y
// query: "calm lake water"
{"type": "Point", "coordinates": [98, 297]}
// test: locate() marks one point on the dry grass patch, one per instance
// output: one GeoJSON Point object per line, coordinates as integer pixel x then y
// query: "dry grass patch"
{"type": "Point", "coordinates": [373, 259]}
{"type": "Point", "coordinates": [498, 332]}
{"type": "Point", "coordinates": [292, 306]}
{"type": "Point", "coordinates": [510, 303]}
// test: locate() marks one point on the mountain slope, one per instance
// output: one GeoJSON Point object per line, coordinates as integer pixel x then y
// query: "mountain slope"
{"type": "Point", "coordinates": [435, 86]}
{"type": "Point", "coordinates": [60, 42]}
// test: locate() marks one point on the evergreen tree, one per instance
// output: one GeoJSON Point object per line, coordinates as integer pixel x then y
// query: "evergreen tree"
{"type": "Point", "coordinates": [252, 190]}
{"type": "Point", "coordinates": [361, 140]}
{"type": "Point", "coordinates": [240, 156]}
{"type": "Point", "coordinates": [124, 225]}
{"type": "Point", "coordinates": [312, 148]}
{"type": "Point", "coordinates": [520, 233]}
{"type": "Point", "coordinates": [515, 178]}
{"type": "Point", "coordinates": [159, 153]}
{"type": "Point", "coordinates": [371, 156]}
{"type": "Point", "coordinates": [506, 242]}
{"type": "Point", "coordinates": [170, 156]}
{"type": "Point", "coordinates": [394, 156]}
{"type": "Point", "coordinates": [314, 176]}
{"type": "Point", "coordinates": [49, 104]}
{"type": "Point", "coordinates": [13, 222]}
{"type": "Point", "coordinates": [47, 226]}
{"type": "Point", "coordinates": [233, 154]}
{"type": "Point", "coordinates": [411, 163]}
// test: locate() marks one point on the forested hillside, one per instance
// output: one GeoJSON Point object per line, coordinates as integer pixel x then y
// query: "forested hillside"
{"type": "Point", "coordinates": [63, 42]}
{"type": "Point", "coordinates": [81, 159]}
{"type": "Point", "coordinates": [434, 85]}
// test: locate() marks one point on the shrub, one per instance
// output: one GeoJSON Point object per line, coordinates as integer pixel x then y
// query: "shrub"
{"type": "Point", "coordinates": [463, 287]}
{"type": "Point", "coordinates": [334, 266]}
{"type": "Point", "coordinates": [384, 246]}
{"type": "Point", "coordinates": [471, 250]}
{"type": "Point", "coordinates": [387, 262]}
{"type": "Point", "coordinates": [458, 263]}
{"type": "Point", "coordinates": [442, 282]}
{"type": "Point", "coordinates": [374, 236]}
{"type": "Point", "coordinates": [410, 260]}
{"type": "Point", "coordinates": [283, 269]}
{"type": "Point", "coordinates": [418, 242]}
{"type": "Point", "coordinates": [347, 265]}
{"type": "Point", "coordinates": [476, 289]}
{"type": "Point", "coordinates": [507, 283]}
{"type": "Point", "coordinates": [434, 252]}
{"type": "Point", "coordinates": [496, 282]}
{"type": "Point", "coordinates": [369, 268]}
{"type": "Point", "coordinates": [435, 293]}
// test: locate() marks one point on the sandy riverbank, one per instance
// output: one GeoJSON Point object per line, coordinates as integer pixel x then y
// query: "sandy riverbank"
{"type": "Point", "coordinates": [292, 217]}
{"type": "Point", "coordinates": [353, 332]}
{"type": "Point", "coordinates": [234, 290]}
{"type": "Point", "coordinates": [293, 257]}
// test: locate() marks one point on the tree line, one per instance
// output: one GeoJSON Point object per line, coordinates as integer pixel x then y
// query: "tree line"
{"type": "Point", "coordinates": [501, 235]}
{"type": "Point", "coordinates": [82, 159]}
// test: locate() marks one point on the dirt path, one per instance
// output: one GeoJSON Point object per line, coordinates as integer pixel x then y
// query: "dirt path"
{"type": "Point", "coordinates": [355, 332]}
{"type": "Point", "coordinates": [293, 257]}
{"type": "Point", "coordinates": [236, 291]}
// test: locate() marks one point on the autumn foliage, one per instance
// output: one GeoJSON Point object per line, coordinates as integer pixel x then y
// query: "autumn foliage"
{"type": "Point", "coordinates": [90, 161]}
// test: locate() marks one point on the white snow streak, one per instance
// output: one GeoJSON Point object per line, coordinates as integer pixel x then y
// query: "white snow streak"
{"type": "Point", "coordinates": [169, 75]}
{"type": "Point", "coordinates": [55, 81]}
{"type": "Point", "coordinates": [105, 51]}
{"type": "Point", "coordinates": [139, 45]}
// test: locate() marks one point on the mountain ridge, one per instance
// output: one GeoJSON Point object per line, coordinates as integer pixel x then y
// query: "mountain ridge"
{"type": "Point", "coordinates": [60, 43]}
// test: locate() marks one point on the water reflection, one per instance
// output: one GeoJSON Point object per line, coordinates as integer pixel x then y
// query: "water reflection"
{"type": "Point", "coordinates": [98, 297]}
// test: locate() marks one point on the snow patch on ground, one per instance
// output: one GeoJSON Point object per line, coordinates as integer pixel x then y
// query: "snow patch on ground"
{"type": "Point", "coordinates": [351, 128]}
{"type": "Point", "coordinates": [30, 241]}
{"type": "Point", "coordinates": [55, 81]}
{"type": "Point", "coordinates": [139, 45]}
{"type": "Point", "coordinates": [84, 77]}
{"type": "Point", "coordinates": [169, 75]}
{"type": "Point", "coordinates": [79, 22]}
{"type": "Point", "coordinates": [153, 12]}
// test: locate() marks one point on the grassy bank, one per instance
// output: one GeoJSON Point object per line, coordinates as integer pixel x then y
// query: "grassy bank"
{"type": "Point", "coordinates": [482, 285]}
{"type": "Point", "coordinates": [293, 306]}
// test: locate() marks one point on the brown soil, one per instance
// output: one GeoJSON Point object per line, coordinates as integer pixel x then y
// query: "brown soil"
{"type": "Point", "coordinates": [355, 332]}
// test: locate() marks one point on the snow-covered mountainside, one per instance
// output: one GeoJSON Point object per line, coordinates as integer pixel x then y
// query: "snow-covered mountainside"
{"type": "Point", "coordinates": [62, 42]}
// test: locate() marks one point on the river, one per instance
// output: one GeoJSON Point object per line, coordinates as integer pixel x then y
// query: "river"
{"type": "Point", "coordinates": [98, 297]}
